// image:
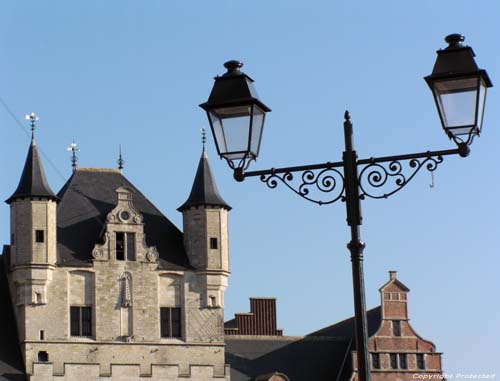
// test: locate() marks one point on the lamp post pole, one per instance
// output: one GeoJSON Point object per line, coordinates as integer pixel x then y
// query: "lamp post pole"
{"type": "Point", "coordinates": [356, 247]}
{"type": "Point", "coordinates": [236, 118]}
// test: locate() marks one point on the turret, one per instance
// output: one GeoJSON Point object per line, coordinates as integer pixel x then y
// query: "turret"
{"type": "Point", "coordinates": [33, 229]}
{"type": "Point", "coordinates": [205, 234]}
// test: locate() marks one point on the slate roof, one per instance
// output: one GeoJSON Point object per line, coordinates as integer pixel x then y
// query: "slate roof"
{"type": "Point", "coordinates": [86, 199]}
{"type": "Point", "coordinates": [11, 361]}
{"type": "Point", "coordinates": [299, 358]}
{"type": "Point", "coordinates": [345, 328]}
{"type": "Point", "coordinates": [321, 355]}
{"type": "Point", "coordinates": [204, 190]}
{"type": "Point", "coordinates": [33, 182]}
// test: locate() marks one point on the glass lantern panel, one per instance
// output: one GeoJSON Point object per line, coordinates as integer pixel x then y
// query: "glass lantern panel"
{"type": "Point", "coordinates": [457, 103]}
{"type": "Point", "coordinates": [231, 128]}
{"type": "Point", "coordinates": [257, 127]}
{"type": "Point", "coordinates": [480, 105]}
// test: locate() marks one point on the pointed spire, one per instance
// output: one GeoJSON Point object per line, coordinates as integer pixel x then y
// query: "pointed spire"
{"type": "Point", "coordinates": [33, 182]}
{"type": "Point", "coordinates": [73, 148]}
{"type": "Point", "coordinates": [204, 191]}
{"type": "Point", "coordinates": [120, 160]}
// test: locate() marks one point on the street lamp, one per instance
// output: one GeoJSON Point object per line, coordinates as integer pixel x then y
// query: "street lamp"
{"type": "Point", "coordinates": [236, 117]}
{"type": "Point", "coordinates": [459, 89]}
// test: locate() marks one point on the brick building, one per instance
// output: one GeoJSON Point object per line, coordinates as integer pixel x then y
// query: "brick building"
{"type": "Point", "coordinates": [257, 350]}
{"type": "Point", "coordinates": [97, 284]}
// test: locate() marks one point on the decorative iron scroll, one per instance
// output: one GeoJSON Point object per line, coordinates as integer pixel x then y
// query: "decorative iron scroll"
{"type": "Point", "coordinates": [381, 180]}
{"type": "Point", "coordinates": [311, 185]}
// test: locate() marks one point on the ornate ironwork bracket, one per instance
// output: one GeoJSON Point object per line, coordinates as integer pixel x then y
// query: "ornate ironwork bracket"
{"type": "Point", "coordinates": [378, 178]}
{"type": "Point", "coordinates": [381, 180]}
{"type": "Point", "coordinates": [311, 184]}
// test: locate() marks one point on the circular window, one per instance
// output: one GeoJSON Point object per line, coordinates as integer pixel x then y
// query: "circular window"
{"type": "Point", "coordinates": [124, 215]}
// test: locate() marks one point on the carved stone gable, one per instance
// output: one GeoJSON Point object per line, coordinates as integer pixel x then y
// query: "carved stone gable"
{"type": "Point", "coordinates": [123, 233]}
{"type": "Point", "coordinates": [125, 212]}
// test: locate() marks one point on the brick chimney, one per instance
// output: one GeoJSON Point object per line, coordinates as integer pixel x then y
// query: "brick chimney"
{"type": "Point", "coordinates": [261, 320]}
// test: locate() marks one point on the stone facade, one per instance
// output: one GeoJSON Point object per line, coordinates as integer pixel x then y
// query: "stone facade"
{"type": "Point", "coordinates": [103, 320]}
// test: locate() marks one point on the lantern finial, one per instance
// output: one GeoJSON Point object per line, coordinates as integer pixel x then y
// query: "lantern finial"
{"type": "Point", "coordinates": [233, 67]}
{"type": "Point", "coordinates": [454, 41]}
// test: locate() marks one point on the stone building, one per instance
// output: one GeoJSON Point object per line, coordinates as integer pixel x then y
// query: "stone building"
{"type": "Point", "coordinates": [104, 287]}
{"type": "Point", "coordinates": [97, 284]}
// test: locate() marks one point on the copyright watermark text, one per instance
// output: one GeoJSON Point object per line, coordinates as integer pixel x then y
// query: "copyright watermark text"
{"type": "Point", "coordinates": [455, 376]}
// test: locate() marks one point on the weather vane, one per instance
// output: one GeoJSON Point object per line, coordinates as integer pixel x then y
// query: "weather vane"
{"type": "Point", "coordinates": [120, 159]}
{"type": "Point", "coordinates": [203, 137]}
{"type": "Point", "coordinates": [73, 148]}
{"type": "Point", "coordinates": [33, 119]}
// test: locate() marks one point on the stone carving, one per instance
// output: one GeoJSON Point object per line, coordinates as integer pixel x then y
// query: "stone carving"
{"type": "Point", "coordinates": [126, 297]}
{"type": "Point", "coordinates": [152, 254]}
{"type": "Point", "coordinates": [97, 254]}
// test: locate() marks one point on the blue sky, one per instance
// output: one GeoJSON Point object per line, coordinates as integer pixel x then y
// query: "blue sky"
{"type": "Point", "coordinates": [133, 73]}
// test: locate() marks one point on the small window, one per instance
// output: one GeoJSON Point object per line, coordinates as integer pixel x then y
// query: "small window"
{"type": "Point", "coordinates": [420, 361]}
{"type": "Point", "coordinates": [396, 327]}
{"type": "Point", "coordinates": [376, 360]}
{"type": "Point", "coordinates": [39, 236]}
{"type": "Point", "coordinates": [213, 301]}
{"type": "Point", "coordinates": [120, 246]}
{"type": "Point", "coordinates": [214, 243]}
{"type": "Point", "coordinates": [403, 364]}
{"type": "Point", "coordinates": [42, 334]}
{"type": "Point", "coordinates": [130, 247]}
{"type": "Point", "coordinates": [43, 356]}
{"type": "Point", "coordinates": [125, 246]}
{"type": "Point", "coordinates": [170, 321]}
{"type": "Point", "coordinates": [81, 321]}
{"type": "Point", "coordinates": [394, 360]}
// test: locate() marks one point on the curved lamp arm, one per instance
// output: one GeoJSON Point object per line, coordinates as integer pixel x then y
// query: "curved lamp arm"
{"type": "Point", "coordinates": [379, 177]}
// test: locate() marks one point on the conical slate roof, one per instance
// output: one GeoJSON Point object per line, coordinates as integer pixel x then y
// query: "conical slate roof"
{"type": "Point", "coordinates": [33, 182]}
{"type": "Point", "coordinates": [204, 191]}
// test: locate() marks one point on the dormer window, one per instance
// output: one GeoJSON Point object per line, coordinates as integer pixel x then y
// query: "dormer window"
{"type": "Point", "coordinates": [396, 327]}
{"type": "Point", "coordinates": [125, 246]}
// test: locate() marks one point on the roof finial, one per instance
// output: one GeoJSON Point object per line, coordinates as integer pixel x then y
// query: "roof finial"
{"type": "Point", "coordinates": [73, 148]}
{"type": "Point", "coordinates": [120, 160]}
{"type": "Point", "coordinates": [33, 119]}
{"type": "Point", "coordinates": [203, 137]}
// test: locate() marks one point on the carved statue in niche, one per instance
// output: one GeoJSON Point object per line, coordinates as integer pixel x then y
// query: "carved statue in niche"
{"type": "Point", "coordinates": [126, 292]}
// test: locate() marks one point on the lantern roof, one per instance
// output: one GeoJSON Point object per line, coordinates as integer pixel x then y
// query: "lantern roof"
{"type": "Point", "coordinates": [456, 60]}
{"type": "Point", "coordinates": [233, 88]}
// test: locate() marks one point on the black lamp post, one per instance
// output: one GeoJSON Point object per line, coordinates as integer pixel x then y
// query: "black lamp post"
{"type": "Point", "coordinates": [237, 116]}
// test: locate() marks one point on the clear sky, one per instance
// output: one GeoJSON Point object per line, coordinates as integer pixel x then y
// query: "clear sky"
{"type": "Point", "coordinates": [106, 73]}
